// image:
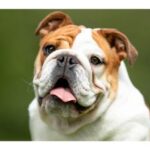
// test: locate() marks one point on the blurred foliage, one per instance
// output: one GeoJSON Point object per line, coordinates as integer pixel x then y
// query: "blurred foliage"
{"type": "Point", "coordinates": [19, 46]}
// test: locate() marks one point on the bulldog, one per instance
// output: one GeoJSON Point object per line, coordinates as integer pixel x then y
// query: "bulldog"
{"type": "Point", "coordinates": [82, 88]}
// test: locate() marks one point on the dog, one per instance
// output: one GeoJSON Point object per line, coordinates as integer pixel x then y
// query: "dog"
{"type": "Point", "coordinates": [82, 88]}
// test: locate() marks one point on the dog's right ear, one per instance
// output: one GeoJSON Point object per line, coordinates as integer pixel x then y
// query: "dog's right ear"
{"type": "Point", "coordinates": [52, 22]}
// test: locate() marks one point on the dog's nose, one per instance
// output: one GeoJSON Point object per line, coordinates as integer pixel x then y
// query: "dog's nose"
{"type": "Point", "coordinates": [67, 60]}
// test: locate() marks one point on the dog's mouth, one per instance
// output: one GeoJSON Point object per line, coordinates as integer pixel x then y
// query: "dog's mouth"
{"type": "Point", "coordinates": [64, 94]}
{"type": "Point", "coordinates": [63, 91]}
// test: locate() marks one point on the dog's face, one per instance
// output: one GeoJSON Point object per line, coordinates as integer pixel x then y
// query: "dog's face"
{"type": "Point", "coordinates": [76, 69]}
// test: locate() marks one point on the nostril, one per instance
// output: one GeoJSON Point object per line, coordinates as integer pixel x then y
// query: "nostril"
{"type": "Point", "coordinates": [61, 59]}
{"type": "Point", "coordinates": [72, 61]}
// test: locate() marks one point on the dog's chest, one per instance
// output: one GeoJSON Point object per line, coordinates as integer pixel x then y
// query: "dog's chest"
{"type": "Point", "coordinates": [98, 130]}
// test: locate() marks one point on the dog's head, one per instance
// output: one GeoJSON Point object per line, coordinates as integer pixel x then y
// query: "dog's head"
{"type": "Point", "coordinates": [76, 69]}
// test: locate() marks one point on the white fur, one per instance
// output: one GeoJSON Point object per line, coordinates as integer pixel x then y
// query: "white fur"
{"type": "Point", "coordinates": [125, 118]}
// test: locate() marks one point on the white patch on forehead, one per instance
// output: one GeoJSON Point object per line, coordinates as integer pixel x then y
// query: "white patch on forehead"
{"type": "Point", "coordinates": [84, 42]}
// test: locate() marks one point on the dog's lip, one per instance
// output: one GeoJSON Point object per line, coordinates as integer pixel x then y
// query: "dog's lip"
{"type": "Point", "coordinates": [90, 108]}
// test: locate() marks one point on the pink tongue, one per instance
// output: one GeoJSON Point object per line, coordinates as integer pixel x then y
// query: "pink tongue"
{"type": "Point", "coordinates": [64, 94]}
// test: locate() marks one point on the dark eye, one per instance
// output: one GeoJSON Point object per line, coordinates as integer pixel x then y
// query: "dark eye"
{"type": "Point", "coordinates": [96, 61]}
{"type": "Point", "coordinates": [49, 49]}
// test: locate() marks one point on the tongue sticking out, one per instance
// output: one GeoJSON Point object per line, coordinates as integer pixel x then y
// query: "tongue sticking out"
{"type": "Point", "coordinates": [64, 94]}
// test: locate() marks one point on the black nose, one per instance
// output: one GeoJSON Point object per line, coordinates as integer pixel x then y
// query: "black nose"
{"type": "Point", "coordinates": [68, 60]}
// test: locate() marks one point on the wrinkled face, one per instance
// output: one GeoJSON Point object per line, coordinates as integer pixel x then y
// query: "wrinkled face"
{"type": "Point", "coordinates": [73, 73]}
{"type": "Point", "coordinates": [75, 69]}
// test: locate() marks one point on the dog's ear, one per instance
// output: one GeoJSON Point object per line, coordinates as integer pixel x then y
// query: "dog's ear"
{"type": "Point", "coordinates": [122, 44]}
{"type": "Point", "coordinates": [52, 22]}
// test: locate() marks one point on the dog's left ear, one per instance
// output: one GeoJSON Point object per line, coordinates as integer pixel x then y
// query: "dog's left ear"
{"type": "Point", "coordinates": [122, 44]}
{"type": "Point", "coordinates": [52, 22]}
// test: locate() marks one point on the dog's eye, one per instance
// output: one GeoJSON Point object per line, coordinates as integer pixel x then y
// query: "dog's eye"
{"type": "Point", "coordinates": [96, 61]}
{"type": "Point", "coordinates": [49, 49]}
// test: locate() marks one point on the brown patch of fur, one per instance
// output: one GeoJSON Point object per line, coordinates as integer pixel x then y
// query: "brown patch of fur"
{"type": "Point", "coordinates": [62, 38]}
{"type": "Point", "coordinates": [112, 62]}
{"type": "Point", "coordinates": [123, 46]}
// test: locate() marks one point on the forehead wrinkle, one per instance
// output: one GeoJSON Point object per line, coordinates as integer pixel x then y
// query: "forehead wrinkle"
{"type": "Point", "coordinates": [67, 33]}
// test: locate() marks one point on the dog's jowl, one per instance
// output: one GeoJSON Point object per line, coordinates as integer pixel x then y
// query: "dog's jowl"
{"type": "Point", "coordinates": [82, 88]}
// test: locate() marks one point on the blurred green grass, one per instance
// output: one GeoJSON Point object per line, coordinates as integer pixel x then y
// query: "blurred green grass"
{"type": "Point", "coordinates": [19, 45]}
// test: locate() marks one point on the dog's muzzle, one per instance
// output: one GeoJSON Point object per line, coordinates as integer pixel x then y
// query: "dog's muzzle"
{"type": "Point", "coordinates": [65, 86]}
{"type": "Point", "coordinates": [62, 89]}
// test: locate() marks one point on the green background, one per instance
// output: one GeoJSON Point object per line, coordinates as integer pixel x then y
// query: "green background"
{"type": "Point", "coordinates": [19, 46]}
